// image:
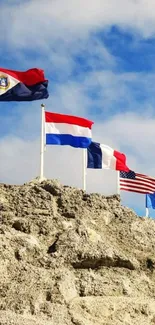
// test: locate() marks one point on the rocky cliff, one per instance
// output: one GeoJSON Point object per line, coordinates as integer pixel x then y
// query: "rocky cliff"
{"type": "Point", "coordinates": [70, 258]}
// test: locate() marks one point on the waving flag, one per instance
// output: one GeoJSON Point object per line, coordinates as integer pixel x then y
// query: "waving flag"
{"type": "Point", "coordinates": [134, 182]}
{"type": "Point", "coordinates": [22, 86]}
{"type": "Point", "coordinates": [150, 201]}
{"type": "Point", "coordinates": [69, 130]}
{"type": "Point", "coordinates": [102, 156]}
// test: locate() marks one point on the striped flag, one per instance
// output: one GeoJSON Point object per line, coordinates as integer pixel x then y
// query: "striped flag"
{"type": "Point", "coordinates": [68, 130]}
{"type": "Point", "coordinates": [134, 182]}
{"type": "Point", "coordinates": [102, 156]}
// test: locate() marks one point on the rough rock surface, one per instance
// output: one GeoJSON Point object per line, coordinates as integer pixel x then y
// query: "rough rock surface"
{"type": "Point", "coordinates": [70, 258]}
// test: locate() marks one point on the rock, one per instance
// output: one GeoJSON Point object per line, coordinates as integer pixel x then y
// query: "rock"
{"type": "Point", "coordinates": [73, 258]}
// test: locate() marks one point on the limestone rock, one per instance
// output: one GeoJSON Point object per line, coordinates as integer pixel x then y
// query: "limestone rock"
{"type": "Point", "coordinates": [72, 258]}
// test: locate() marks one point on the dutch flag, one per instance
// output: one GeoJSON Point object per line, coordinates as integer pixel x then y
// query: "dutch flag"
{"type": "Point", "coordinates": [69, 130]}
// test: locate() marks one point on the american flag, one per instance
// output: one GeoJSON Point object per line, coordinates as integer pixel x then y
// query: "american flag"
{"type": "Point", "coordinates": [134, 182]}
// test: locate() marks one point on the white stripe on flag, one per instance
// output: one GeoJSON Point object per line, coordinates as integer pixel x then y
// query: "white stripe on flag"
{"type": "Point", "coordinates": [108, 159]}
{"type": "Point", "coordinates": [7, 82]}
{"type": "Point", "coordinates": [63, 128]}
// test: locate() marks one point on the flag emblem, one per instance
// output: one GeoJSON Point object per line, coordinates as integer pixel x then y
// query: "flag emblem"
{"type": "Point", "coordinates": [4, 82]}
{"type": "Point", "coordinates": [22, 85]}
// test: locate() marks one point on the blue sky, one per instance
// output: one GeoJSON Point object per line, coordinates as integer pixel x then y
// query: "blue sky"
{"type": "Point", "coordinates": [99, 58]}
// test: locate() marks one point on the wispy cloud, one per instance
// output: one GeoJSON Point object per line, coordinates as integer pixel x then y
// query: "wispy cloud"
{"type": "Point", "coordinates": [67, 19]}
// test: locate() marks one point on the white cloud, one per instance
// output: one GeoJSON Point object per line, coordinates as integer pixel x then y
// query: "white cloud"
{"type": "Point", "coordinates": [102, 93]}
{"type": "Point", "coordinates": [133, 134]}
{"type": "Point", "coordinates": [43, 22]}
{"type": "Point", "coordinates": [18, 159]}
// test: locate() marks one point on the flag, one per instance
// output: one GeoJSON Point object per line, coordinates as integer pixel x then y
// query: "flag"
{"type": "Point", "coordinates": [134, 182]}
{"type": "Point", "coordinates": [22, 86]}
{"type": "Point", "coordinates": [102, 156]}
{"type": "Point", "coordinates": [150, 201]}
{"type": "Point", "coordinates": [69, 130]}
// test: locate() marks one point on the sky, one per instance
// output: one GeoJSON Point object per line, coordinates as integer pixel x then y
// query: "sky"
{"type": "Point", "coordinates": [99, 58]}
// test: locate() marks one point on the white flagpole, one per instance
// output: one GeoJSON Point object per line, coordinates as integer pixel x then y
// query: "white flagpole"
{"type": "Point", "coordinates": [42, 143]}
{"type": "Point", "coordinates": [146, 209]}
{"type": "Point", "coordinates": [118, 182]}
{"type": "Point", "coordinates": [147, 213]}
{"type": "Point", "coordinates": [84, 168]}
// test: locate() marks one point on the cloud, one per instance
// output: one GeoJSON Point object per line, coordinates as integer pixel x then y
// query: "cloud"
{"type": "Point", "coordinates": [18, 160]}
{"type": "Point", "coordinates": [134, 135]}
{"type": "Point", "coordinates": [44, 22]}
{"type": "Point", "coordinates": [100, 93]}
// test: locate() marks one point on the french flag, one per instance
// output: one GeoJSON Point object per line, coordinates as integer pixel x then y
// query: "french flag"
{"type": "Point", "coordinates": [102, 156]}
{"type": "Point", "coordinates": [22, 86]}
{"type": "Point", "coordinates": [68, 130]}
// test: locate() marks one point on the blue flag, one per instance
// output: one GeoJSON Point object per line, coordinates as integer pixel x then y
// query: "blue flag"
{"type": "Point", "coordinates": [150, 201]}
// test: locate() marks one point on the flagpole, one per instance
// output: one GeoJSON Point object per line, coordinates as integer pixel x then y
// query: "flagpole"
{"type": "Point", "coordinates": [146, 208]}
{"type": "Point", "coordinates": [42, 144]}
{"type": "Point", "coordinates": [118, 182]}
{"type": "Point", "coordinates": [147, 213]}
{"type": "Point", "coordinates": [84, 169]}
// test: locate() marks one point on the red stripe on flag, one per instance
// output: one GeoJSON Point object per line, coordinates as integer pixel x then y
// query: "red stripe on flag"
{"type": "Point", "coordinates": [135, 190]}
{"type": "Point", "coordinates": [68, 119]}
{"type": "Point", "coordinates": [132, 182]}
{"type": "Point", "coordinates": [137, 181]}
{"type": "Point", "coordinates": [30, 77]}
{"type": "Point", "coordinates": [140, 186]}
{"type": "Point", "coordinates": [146, 177]}
{"type": "Point", "coordinates": [120, 161]}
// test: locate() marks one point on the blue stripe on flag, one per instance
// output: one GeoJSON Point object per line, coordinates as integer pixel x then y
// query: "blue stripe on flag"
{"type": "Point", "coordinates": [21, 92]}
{"type": "Point", "coordinates": [67, 139]}
{"type": "Point", "coordinates": [94, 156]}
